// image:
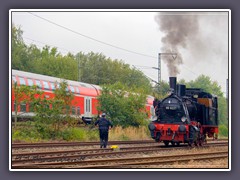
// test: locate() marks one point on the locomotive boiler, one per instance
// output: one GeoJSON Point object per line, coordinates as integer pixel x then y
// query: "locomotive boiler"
{"type": "Point", "coordinates": [186, 115]}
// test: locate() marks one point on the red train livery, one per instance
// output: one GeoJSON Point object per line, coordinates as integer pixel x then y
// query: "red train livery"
{"type": "Point", "coordinates": [85, 95]}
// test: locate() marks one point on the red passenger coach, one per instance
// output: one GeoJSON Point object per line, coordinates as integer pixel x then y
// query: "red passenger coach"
{"type": "Point", "coordinates": [84, 104]}
{"type": "Point", "coordinates": [85, 95]}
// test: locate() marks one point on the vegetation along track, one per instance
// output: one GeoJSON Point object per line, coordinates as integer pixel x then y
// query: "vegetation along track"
{"type": "Point", "coordinates": [71, 157]}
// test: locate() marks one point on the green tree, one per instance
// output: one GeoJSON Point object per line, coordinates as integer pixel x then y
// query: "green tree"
{"type": "Point", "coordinates": [52, 112]}
{"type": "Point", "coordinates": [60, 66]}
{"type": "Point", "coordinates": [161, 90]}
{"type": "Point", "coordinates": [18, 50]}
{"type": "Point", "coordinates": [23, 94]}
{"type": "Point", "coordinates": [205, 83]}
{"type": "Point", "coordinates": [125, 106]}
{"type": "Point", "coordinates": [95, 68]}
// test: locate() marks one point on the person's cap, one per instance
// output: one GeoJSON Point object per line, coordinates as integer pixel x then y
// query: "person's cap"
{"type": "Point", "coordinates": [103, 114]}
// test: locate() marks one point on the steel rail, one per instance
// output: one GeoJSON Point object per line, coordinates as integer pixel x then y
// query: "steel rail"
{"type": "Point", "coordinates": [33, 145]}
{"type": "Point", "coordinates": [60, 144]}
{"type": "Point", "coordinates": [126, 161]}
{"type": "Point", "coordinates": [160, 162]}
{"type": "Point", "coordinates": [102, 153]}
{"type": "Point", "coordinates": [94, 149]}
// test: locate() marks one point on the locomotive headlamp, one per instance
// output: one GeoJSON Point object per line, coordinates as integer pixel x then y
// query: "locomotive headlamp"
{"type": "Point", "coordinates": [195, 96]}
{"type": "Point", "coordinates": [183, 119]}
{"type": "Point", "coordinates": [151, 127]}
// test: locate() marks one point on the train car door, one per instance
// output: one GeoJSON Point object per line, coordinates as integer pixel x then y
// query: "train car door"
{"type": "Point", "coordinates": [87, 107]}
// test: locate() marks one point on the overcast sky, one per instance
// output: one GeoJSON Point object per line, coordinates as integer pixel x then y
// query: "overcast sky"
{"type": "Point", "coordinates": [200, 38]}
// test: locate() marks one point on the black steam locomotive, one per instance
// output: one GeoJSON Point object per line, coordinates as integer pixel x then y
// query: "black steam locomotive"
{"type": "Point", "coordinates": [187, 115]}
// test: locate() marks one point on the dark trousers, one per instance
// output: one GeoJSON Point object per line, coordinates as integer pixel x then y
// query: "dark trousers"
{"type": "Point", "coordinates": [103, 138]}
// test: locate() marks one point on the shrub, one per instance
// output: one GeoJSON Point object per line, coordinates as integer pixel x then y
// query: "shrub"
{"type": "Point", "coordinates": [25, 134]}
{"type": "Point", "coordinates": [93, 135]}
{"type": "Point", "coordinates": [71, 134]}
{"type": "Point", "coordinates": [223, 130]}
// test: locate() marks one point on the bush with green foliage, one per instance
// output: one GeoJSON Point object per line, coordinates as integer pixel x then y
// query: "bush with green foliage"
{"type": "Point", "coordinates": [124, 106]}
{"type": "Point", "coordinates": [49, 120]}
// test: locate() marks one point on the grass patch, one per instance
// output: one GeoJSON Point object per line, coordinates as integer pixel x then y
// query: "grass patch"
{"type": "Point", "coordinates": [28, 132]}
{"type": "Point", "coordinates": [129, 133]}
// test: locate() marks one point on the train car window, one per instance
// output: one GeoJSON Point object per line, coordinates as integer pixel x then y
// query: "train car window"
{"type": "Point", "coordinates": [77, 90]}
{"type": "Point", "coordinates": [23, 107]}
{"type": "Point", "coordinates": [14, 106]}
{"type": "Point", "coordinates": [38, 84]}
{"type": "Point", "coordinates": [67, 109]}
{"type": "Point", "coordinates": [47, 106]}
{"type": "Point", "coordinates": [87, 105]}
{"type": "Point", "coordinates": [22, 81]}
{"type": "Point", "coordinates": [74, 110]}
{"type": "Point", "coordinates": [14, 79]}
{"type": "Point", "coordinates": [152, 110]}
{"type": "Point", "coordinates": [72, 89]}
{"type": "Point", "coordinates": [31, 107]}
{"type": "Point", "coordinates": [53, 86]}
{"type": "Point", "coordinates": [30, 82]}
{"type": "Point", "coordinates": [45, 84]}
{"type": "Point", "coordinates": [78, 110]}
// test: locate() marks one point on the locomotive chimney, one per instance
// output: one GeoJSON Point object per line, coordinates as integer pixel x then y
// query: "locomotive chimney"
{"type": "Point", "coordinates": [173, 83]}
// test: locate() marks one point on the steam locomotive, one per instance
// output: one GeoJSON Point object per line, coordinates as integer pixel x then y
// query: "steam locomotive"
{"type": "Point", "coordinates": [186, 115]}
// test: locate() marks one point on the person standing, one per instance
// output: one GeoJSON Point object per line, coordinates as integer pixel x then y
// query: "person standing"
{"type": "Point", "coordinates": [103, 126]}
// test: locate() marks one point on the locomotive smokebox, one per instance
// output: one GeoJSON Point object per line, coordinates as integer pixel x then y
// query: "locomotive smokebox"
{"type": "Point", "coordinates": [173, 83]}
{"type": "Point", "coordinates": [181, 90]}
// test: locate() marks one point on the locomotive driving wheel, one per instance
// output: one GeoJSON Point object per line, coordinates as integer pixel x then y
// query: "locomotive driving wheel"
{"type": "Point", "coordinates": [200, 140]}
{"type": "Point", "coordinates": [196, 143]}
{"type": "Point", "coordinates": [190, 144]}
{"type": "Point", "coordinates": [166, 143]}
{"type": "Point", "coordinates": [175, 143]}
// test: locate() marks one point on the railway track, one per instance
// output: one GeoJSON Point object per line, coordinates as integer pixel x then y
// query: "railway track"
{"type": "Point", "coordinates": [60, 144]}
{"type": "Point", "coordinates": [50, 158]}
{"type": "Point", "coordinates": [128, 162]}
{"type": "Point", "coordinates": [38, 145]}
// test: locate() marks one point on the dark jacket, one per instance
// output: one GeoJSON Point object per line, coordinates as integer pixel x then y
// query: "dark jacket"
{"type": "Point", "coordinates": [103, 123]}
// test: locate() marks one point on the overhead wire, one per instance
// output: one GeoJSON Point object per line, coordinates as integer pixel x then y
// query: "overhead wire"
{"type": "Point", "coordinates": [139, 66]}
{"type": "Point", "coordinates": [99, 41]}
{"type": "Point", "coordinates": [102, 42]}
{"type": "Point", "coordinates": [48, 44]}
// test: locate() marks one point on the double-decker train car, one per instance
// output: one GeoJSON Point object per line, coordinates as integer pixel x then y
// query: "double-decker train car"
{"type": "Point", "coordinates": [84, 104]}
{"type": "Point", "coordinates": [186, 115]}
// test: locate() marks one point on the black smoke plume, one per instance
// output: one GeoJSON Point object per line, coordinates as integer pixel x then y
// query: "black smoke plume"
{"type": "Point", "coordinates": [179, 28]}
